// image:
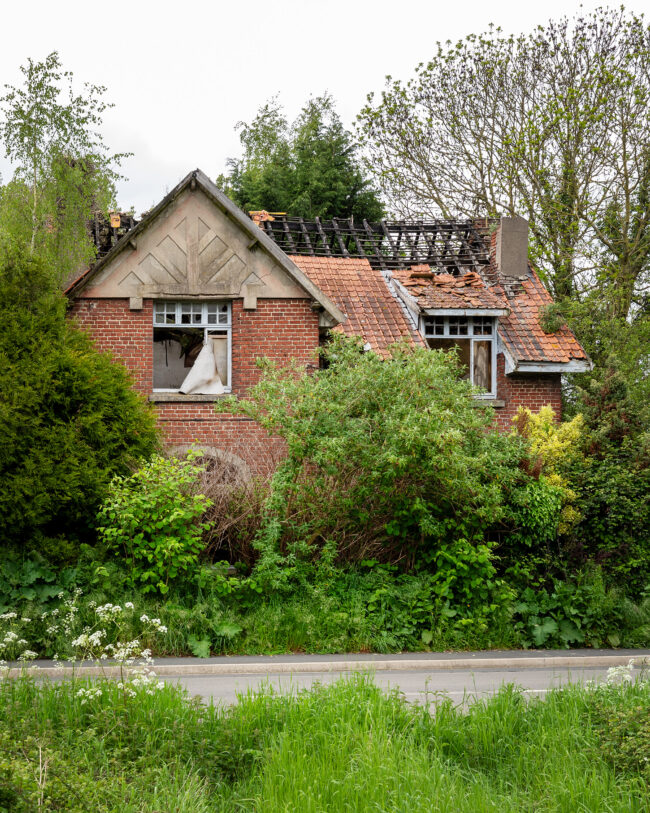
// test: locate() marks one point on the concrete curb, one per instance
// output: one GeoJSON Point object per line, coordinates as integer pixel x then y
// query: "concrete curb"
{"type": "Point", "coordinates": [279, 667]}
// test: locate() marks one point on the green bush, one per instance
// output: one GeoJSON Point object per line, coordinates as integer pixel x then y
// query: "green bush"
{"type": "Point", "coordinates": [152, 518]}
{"type": "Point", "coordinates": [613, 483]}
{"type": "Point", "coordinates": [388, 459]}
{"type": "Point", "coordinates": [576, 612]}
{"type": "Point", "coordinates": [69, 418]}
{"type": "Point", "coordinates": [621, 718]}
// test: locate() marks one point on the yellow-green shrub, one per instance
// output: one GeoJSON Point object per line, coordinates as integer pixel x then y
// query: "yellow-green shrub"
{"type": "Point", "coordinates": [553, 448]}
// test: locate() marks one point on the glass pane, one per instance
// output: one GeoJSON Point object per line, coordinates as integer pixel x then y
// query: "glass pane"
{"type": "Point", "coordinates": [462, 348]}
{"type": "Point", "coordinates": [159, 312]}
{"type": "Point", "coordinates": [458, 325]}
{"type": "Point", "coordinates": [482, 375]}
{"type": "Point", "coordinates": [434, 326]}
{"type": "Point", "coordinates": [223, 314]}
{"type": "Point", "coordinates": [482, 325]}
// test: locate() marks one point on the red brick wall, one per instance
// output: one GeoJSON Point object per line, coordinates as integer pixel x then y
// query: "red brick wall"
{"type": "Point", "coordinates": [529, 390]}
{"type": "Point", "coordinates": [127, 334]}
{"type": "Point", "coordinates": [279, 329]}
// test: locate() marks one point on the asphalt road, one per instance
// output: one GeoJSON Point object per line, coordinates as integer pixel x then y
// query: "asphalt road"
{"type": "Point", "coordinates": [416, 685]}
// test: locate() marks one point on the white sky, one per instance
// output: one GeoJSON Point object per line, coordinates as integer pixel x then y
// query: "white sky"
{"type": "Point", "coordinates": [181, 74]}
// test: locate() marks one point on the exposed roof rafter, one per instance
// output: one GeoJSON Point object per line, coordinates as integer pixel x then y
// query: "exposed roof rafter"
{"type": "Point", "coordinates": [450, 246]}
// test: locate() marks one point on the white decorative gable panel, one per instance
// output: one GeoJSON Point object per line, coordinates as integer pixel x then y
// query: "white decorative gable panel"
{"type": "Point", "coordinates": [193, 249]}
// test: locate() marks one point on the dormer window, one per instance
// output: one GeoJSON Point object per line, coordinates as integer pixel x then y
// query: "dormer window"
{"type": "Point", "coordinates": [474, 339]}
{"type": "Point", "coordinates": [192, 347]}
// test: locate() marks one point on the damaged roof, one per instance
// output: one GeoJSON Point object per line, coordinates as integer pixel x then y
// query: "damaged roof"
{"type": "Point", "coordinates": [432, 267]}
{"type": "Point", "coordinates": [434, 292]}
{"type": "Point", "coordinates": [375, 279]}
{"type": "Point", "coordinates": [373, 312]}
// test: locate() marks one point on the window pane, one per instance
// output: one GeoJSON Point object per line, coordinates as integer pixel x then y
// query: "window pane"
{"type": "Point", "coordinates": [482, 376]}
{"type": "Point", "coordinates": [193, 314]}
{"type": "Point", "coordinates": [458, 325]}
{"type": "Point", "coordinates": [462, 348]}
{"type": "Point", "coordinates": [434, 326]}
{"type": "Point", "coordinates": [174, 352]}
{"type": "Point", "coordinates": [483, 325]}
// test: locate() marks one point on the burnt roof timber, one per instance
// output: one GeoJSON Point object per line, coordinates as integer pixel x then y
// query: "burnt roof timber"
{"type": "Point", "coordinates": [455, 246]}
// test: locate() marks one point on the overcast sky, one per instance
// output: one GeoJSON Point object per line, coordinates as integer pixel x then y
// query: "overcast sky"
{"type": "Point", "coordinates": [182, 74]}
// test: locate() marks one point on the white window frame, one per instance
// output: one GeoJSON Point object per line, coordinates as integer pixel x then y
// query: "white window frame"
{"type": "Point", "coordinates": [175, 307]}
{"type": "Point", "coordinates": [427, 327]}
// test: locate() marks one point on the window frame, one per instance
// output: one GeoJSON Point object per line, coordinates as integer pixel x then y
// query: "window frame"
{"type": "Point", "coordinates": [429, 328]}
{"type": "Point", "coordinates": [224, 326]}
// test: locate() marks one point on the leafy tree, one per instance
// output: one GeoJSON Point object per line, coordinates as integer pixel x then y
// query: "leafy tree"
{"type": "Point", "coordinates": [63, 172]}
{"type": "Point", "coordinates": [69, 417]}
{"type": "Point", "coordinates": [553, 125]}
{"type": "Point", "coordinates": [308, 168]}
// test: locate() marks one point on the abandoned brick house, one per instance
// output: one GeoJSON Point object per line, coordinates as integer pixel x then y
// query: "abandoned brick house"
{"type": "Point", "coordinates": [193, 294]}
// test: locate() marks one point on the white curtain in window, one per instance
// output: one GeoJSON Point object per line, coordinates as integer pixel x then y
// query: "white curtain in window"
{"type": "Point", "coordinates": [204, 377]}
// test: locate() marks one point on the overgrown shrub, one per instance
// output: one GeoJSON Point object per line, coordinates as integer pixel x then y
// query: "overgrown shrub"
{"type": "Point", "coordinates": [234, 511]}
{"type": "Point", "coordinates": [69, 418]}
{"type": "Point", "coordinates": [389, 459]}
{"type": "Point", "coordinates": [613, 483]}
{"type": "Point", "coordinates": [571, 612]}
{"type": "Point", "coordinates": [152, 518]}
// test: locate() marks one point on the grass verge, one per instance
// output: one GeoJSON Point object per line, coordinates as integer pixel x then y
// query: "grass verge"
{"type": "Point", "coordinates": [344, 747]}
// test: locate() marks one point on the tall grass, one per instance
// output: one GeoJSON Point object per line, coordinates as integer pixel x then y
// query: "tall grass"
{"type": "Point", "coordinates": [343, 747]}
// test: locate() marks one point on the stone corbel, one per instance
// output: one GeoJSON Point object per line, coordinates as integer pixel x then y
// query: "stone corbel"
{"type": "Point", "coordinates": [251, 288]}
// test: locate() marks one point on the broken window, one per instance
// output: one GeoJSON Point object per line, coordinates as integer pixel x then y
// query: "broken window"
{"type": "Point", "coordinates": [474, 339]}
{"type": "Point", "coordinates": [191, 347]}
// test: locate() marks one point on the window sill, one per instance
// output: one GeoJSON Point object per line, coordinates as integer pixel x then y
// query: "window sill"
{"type": "Point", "coordinates": [182, 398]}
{"type": "Point", "coordinates": [493, 402]}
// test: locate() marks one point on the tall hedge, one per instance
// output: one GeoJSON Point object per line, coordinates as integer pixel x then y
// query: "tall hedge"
{"type": "Point", "coordinates": [69, 418]}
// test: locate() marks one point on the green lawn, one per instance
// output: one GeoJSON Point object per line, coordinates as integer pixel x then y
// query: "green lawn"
{"type": "Point", "coordinates": [345, 747]}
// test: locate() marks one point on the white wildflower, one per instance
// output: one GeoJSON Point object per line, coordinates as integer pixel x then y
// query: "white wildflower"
{"type": "Point", "coordinates": [25, 620]}
{"type": "Point", "coordinates": [128, 605]}
{"type": "Point", "coordinates": [89, 694]}
{"type": "Point", "coordinates": [7, 616]}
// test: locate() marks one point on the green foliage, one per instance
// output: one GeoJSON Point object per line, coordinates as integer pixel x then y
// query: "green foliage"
{"type": "Point", "coordinates": [63, 173]}
{"type": "Point", "coordinates": [550, 318]}
{"type": "Point", "coordinates": [69, 417]}
{"type": "Point", "coordinates": [31, 580]}
{"type": "Point", "coordinates": [623, 728]}
{"type": "Point", "coordinates": [346, 746]}
{"type": "Point", "coordinates": [151, 517]}
{"type": "Point", "coordinates": [307, 169]}
{"type": "Point", "coordinates": [614, 481]}
{"type": "Point", "coordinates": [570, 613]}
{"type": "Point", "coordinates": [534, 512]}
{"type": "Point", "coordinates": [386, 459]}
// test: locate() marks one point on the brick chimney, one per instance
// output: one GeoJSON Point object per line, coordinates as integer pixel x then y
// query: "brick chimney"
{"type": "Point", "coordinates": [512, 246]}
